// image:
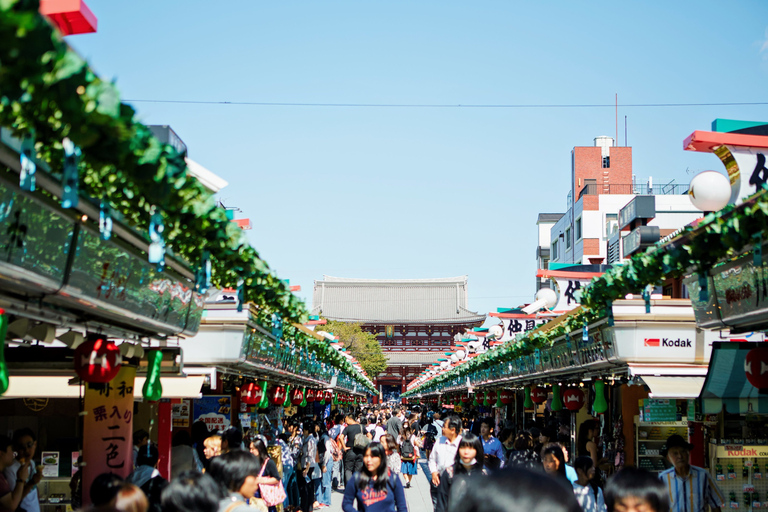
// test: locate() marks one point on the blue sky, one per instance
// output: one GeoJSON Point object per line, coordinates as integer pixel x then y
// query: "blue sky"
{"type": "Point", "coordinates": [385, 192]}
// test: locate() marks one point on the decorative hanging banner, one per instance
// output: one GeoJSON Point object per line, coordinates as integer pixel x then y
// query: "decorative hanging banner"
{"type": "Point", "coordinates": [108, 428]}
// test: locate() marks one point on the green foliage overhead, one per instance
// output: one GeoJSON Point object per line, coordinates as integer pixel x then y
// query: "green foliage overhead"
{"type": "Point", "coordinates": [48, 92]}
{"type": "Point", "coordinates": [362, 345]}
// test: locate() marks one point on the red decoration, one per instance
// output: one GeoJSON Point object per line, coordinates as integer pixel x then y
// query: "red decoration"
{"type": "Point", "coordinates": [248, 393]}
{"type": "Point", "coordinates": [297, 396]}
{"type": "Point", "coordinates": [277, 395]}
{"type": "Point", "coordinates": [97, 360]}
{"type": "Point", "coordinates": [539, 395]}
{"type": "Point", "coordinates": [506, 396]}
{"type": "Point", "coordinates": [756, 367]}
{"type": "Point", "coordinates": [573, 398]}
{"type": "Point", "coordinates": [328, 396]}
{"type": "Point", "coordinates": [69, 16]}
{"type": "Point", "coordinates": [311, 395]}
{"type": "Point", "coordinates": [465, 399]}
{"type": "Point", "coordinates": [491, 396]}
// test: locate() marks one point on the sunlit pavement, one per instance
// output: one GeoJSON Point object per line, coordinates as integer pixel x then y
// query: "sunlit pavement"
{"type": "Point", "coordinates": [417, 496]}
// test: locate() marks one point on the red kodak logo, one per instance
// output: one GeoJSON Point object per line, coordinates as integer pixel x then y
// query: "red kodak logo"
{"type": "Point", "coordinates": [652, 342]}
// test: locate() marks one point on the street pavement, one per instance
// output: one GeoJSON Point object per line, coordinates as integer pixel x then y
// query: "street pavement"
{"type": "Point", "coordinates": [417, 496]}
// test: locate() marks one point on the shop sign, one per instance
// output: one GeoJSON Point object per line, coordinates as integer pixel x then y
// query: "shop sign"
{"type": "Point", "coordinates": [50, 462]}
{"type": "Point", "coordinates": [660, 344]}
{"type": "Point", "coordinates": [214, 411]}
{"type": "Point", "coordinates": [641, 207]}
{"type": "Point", "coordinates": [180, 414]}
{"type": "Point", "coordinates": [108, 428]}
{"type": "Point", "coordinates": [735, 451]}
{"type": "Point", "coordinates": [569, 292]}
{"type": "Point", "coordinates": [514, 326]}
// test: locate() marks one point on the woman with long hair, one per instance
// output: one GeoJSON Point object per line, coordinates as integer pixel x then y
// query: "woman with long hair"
{"type": "Point", "coordinates": [374, 487]}
{"type": "Point", "coordinates": [553, 460]}
{"type": "Point", "coordinates": [522, 454]}
{"type": "Point", "coordinates": [589, 495]}
{"type": "Point", "coordinates": [587, 445]}
{"type": "Point", "coordinates": [269, 473]}
{"type": "Point", "coordinates": [394, 463]}
{"type": "Point", "coordinates": [469, 461]}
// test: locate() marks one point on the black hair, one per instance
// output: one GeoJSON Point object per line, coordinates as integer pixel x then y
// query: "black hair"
{"type": "Point", "coordinates": [517, 490]}
{"type": "Point", "coordinates": [147, 456]}
{"type": "Point", "coordinates": [453, 422]}
{"type": "Point", "coordinates": [22, 432]}
{"type": "Point", "coordinates": [584, 428]}
{"type": "Point", "coordinates": [192, 491]}
{"type": "Point", "coordinates": [523, 441]}
{"type": "Point", "coordinates": [5, 442]}
{"type": "Point", "coordinates": [181, 438]}
{"type": "Point", "coordinates": [104, 489]}
{"type": "Point", "coordinates": [233, 437]}
{"type": "Point", "coordinates": [364, 477]}
{"type": "Point", "coordinates": [139, 436]}
{"type": "Point", "coordinates": [583, 463]}
{"type": "Point", "coordinates": [471, 440]}
{"type": "Point", "coordinates": [231, 469]}
{"type": "Point", "coordinates": [309, 426]}
{"type": "Point", "coordinates": [488, 421]}
{"type": "Point", "coordinates": [556, 451]}
{"type": "Point", "coordinates": [505, 433]}
{"type": "Point", "coordinates": [639, 483]}
{"type": "Point", "coordinates": [258, 445]}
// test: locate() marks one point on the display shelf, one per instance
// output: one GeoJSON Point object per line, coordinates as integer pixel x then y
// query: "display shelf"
{"type": "Point", "coordinates": [650, 436]}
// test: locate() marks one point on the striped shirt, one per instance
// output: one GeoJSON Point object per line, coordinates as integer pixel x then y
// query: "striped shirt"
{"type": "Point", "coordinates": [691, 494]}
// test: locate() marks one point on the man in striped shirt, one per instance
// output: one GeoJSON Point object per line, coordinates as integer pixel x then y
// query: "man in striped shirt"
{"type": "Point", "coordinates": [690, 488]}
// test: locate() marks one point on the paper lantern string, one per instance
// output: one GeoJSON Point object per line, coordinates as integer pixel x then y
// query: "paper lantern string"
{"type": "Point", "coordinates": [105, 220]}
{"type": "Point", "coordinates": [69, 175]}
{"type": "Point", "coordinates": [28, 166]}
{"type": "Point", "coordinates": [3, 367]}
{"type": "Point", "coordinates": [156, 251]}
{"type": "Point", "coordinates": [557, 401]}
{"type": "Point", "coordinates": [153, 388]}
{"type": "Point", "coordinates": [264, 395]}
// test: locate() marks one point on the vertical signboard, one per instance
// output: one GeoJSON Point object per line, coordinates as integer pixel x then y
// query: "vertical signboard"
{"type": "Point", "coordinates": [108, 428]}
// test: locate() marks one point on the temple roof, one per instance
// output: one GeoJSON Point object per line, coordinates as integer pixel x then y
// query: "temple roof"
{"type": "Point", "coordinates": [394, 301]}
{"type": "Point", "coordinates": [413, 358]}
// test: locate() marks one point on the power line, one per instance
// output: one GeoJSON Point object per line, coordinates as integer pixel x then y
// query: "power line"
{"type": "Point", "coordinates": [448, 105]}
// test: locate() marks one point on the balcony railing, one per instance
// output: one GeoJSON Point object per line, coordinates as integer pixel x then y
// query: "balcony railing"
{"type": "Point", "coordinates": [671, 189]}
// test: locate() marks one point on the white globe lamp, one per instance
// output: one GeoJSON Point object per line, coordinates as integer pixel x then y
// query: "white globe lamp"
{"type": "Point", "coordinates": [496, 331]}
{"type": "Point", "coordinates": [710, 191]}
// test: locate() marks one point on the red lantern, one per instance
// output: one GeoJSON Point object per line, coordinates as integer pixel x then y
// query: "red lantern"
{"type": "Point", "coordinates": [297, 396]}
{"type": "Point", "coordinates": [506, 396]}
{"type": "Point", "coordinates": [756, 367]}
{"type": "Point", "coordinates": [539, 395]}
{"type": "Point", "coordinates": [248, 393]}
{"type": "Point", "coordinates": [311, 395]}
{"type": "Point", "coordinates": [328, 396]}
{"type": "Point", "coordinates": [573, 398]}
{"type": "Point", "coordinates": [69, 17]}
{"type": "Point", "coordinates": [491, 395]}
{"type": "Point", "coordinates": [97, 360]}
{"type": "Point", "coordinates": [277, 395]}
{"type": "Point", "coordinates": [465, 399]}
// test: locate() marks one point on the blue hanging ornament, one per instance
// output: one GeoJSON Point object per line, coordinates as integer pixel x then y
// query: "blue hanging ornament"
{"type": "Point", "coordinates": [585, 333]}
{"type": "Point", "coordinates": [69, 175]}
{"type": "Point", "coordinates": [647, 298]}
{"type": "Point", "coordinates": [757, 250]}
{"type": "Point", "coordinates": [240, 296]}
{"type": "Point", "coordinates": [156, 251]}
{"type": "Point", "coordinates": [28, 166]}
{"type": "Point", "coordinates": [610, 313]}
{"type": "Point", "coordinates": [703, 292]}
{"type": "Point", "coordinates": [203, 274]}
{"type": "Point", "coordinates": [277, 326]}
{"type": "Point", "coordinates": [105, 220]}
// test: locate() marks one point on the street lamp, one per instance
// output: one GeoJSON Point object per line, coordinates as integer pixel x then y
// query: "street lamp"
{"type": "Point", "coordinates": [710, 191]}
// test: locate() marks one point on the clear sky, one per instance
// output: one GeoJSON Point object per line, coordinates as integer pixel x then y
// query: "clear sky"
{"type": "Point", "coordinates": [403, 192]}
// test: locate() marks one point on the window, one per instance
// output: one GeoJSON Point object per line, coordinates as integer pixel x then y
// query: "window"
{"type": "Point", "coordinates": [554, 250]}
{"type": "Point", "coordinates": [567, 239]}
{"type": "Point", "coordinates": [606, 162]}
{"type": "Point", "coordinates": [578, 228]}
{"type": "Point", "coordinates": [611, 224]}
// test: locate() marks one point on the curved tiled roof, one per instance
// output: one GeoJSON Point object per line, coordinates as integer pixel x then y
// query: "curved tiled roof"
{"type": "Point", "coordinates": [394, 301]}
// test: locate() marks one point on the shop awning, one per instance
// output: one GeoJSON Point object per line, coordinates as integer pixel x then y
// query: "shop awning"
{"type": "Point", "coordinates": [34, 386]}
{"type": "Point", "coordinates": [674, 387]}
{"type": "Point", "coordinates": [727, 383]}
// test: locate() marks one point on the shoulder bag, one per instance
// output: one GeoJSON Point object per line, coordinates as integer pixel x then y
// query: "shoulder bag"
{"type": "Point", "coordinates": [272, 494]}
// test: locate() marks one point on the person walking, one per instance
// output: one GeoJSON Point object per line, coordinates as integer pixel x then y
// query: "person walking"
{"type": "Point", "coordinates": [589, 495]}
{"type": "Point", "coordinates": [522, 454]}
{"type": "Point", "coordinates": [444, 453]}
{"type": "Point", "coordinates": [25, 444]}
{"type": "Point", "coordinates": [468, 462]}
{"type": "Point", "coordinates": [374, 487]}
{"type": "Point", "coordinates": [269, 473]}
{"type": "Point", "coordinates": [494, 452]}
{"type": "Point", "coordinates": [394, 426]}
{"type": "Point", "coordinates": [409, 453]}
{"type": "Point", "coordinates": [353, 442]}
{"type": "Point", "coordinates": [325, 448]}
{"type": "Point", "coordinates": [394, 463]}
{"type": "Point", "coordinates": [690, 488]}
{"type": "Point", "coordinates": [338, 461]}
{"type": "Point", "coordinates": [310, 469]}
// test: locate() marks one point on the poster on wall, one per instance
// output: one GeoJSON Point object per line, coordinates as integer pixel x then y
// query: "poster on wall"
{"type": "Point", "coordinates": [215, 411]}
{"type": "Point", "coordinates": [180, 414]}
{"type": "Point", "coordinates": [50, 461]}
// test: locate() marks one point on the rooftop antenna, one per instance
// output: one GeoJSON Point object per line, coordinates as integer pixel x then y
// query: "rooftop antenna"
{"type": "Point", "coordinates": [625, 131]}
{"type": "Point", "coordinates": [617, 118]}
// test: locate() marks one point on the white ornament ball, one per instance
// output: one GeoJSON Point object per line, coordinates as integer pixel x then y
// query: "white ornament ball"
{"type": "Point", "coordinates": [710, 191]}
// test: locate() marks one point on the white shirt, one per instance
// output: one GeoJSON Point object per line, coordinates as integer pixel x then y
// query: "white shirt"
{"type": "Point", "coordinates": [443, 454]}
{"type": "Point", "coordinates": [585, 495]}
{"type": "Point", "coordinates": [378, 432]}
{"type": "Point", "coordinates": [30, 503]}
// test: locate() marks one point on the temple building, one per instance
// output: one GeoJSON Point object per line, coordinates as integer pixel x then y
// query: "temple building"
{"type": "Point", "coordinates": [415, 320]}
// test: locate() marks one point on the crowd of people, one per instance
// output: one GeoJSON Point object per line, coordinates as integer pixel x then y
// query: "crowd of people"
{"type": "Point", "coordinates": [372, 457]}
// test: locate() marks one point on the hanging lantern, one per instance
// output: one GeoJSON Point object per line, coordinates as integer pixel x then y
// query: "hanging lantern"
{"type": "Point", "coordinates": [573, 399]}
{"type": "Point", "coordinates": [756, 367]}
{"type": "Point", "coordinates": [153, 388]}
{"type": "Point", "coordinates": [328, 396]}
{"type": "Point", "coordinates": [297, 396]}
{"type": "Point", "coordinates": [248, 393]}
{"type": "Point", "coordinates": [491, 396]}
{"type": "Point", "coordinates": [528, 403]}
{"type": "Point", "coordinates": [506, 396]}
{"type": "Point", "coordinates": [69, 17]}
{"type": "Point", "coordinates": [97, 359]}
{"type": "Point", "coordinates": [277, 395]}
{"type": "Point", "coordinates": [557, 402]}
{"type": "Point", "coordinates": [311, 395]}
{"type": "Point", "coordinates": [303, 398]}
{"type": "Point", "coordinates": [485, 399]}
{"type": "Point", "coordinates": [465, 399]}
{"type": "Point", "coordinates": [539, 395]}
{"type": "Point", "coordinates": [264, 402]}
{"type": "Point", "coordinates": [287, 401]}
{"type": "Point", "coordinates": [600, 405]}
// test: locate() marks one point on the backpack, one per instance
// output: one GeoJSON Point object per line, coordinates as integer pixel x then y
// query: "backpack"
{"type": "Point", "coordinates": [361, 441]}
{"type": "Point", "coordinates": [406, 450]}
{"type": "Point", "coordinates": [336, 451]}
